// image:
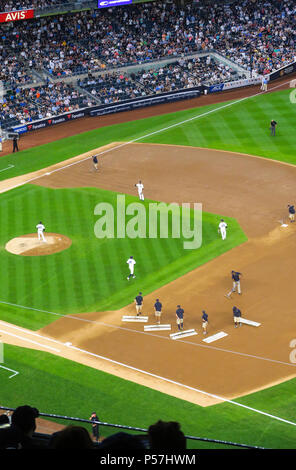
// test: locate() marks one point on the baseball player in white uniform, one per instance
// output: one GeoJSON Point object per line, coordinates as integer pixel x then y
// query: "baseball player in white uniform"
{"type": "Point", "coordinates": [140, 187]}
{"type": "Point", "coordinates": [131, 264]}
{"type": "Point", "coordinates": [40, 228]}
{"type": "Point", "coordinates": [222, 229]}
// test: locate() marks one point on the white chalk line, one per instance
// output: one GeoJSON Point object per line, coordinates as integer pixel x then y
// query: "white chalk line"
{"type": "Point", "coordinates": [29, 340]}
{"type": "Point", "coordinates": [108, 325]}
{"type": "Point", "coordinates": [116, 147]}
{"type": "Point", "coordinates": [8, 168]}
{"type": "Point", "coordinates": [173, 382]}
{"type": "Point", "coordinates": [15, 372]}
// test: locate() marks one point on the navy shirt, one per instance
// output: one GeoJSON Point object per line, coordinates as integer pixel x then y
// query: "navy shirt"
{"type": "Point", "coordinates": [292, 210]}
{"type": "Point", "coordinates": [236, 312]}
{"type": "Point", "coordinates": [235, 276]}
{"type": "Point", "coordinates": [95, 160]}
{"type": "Point", "coordinates": [139, 299]}
{"type": "Point", "coordinates": [205, 316]}
{"type": "Point", "coordinates": [180, 312]}
{"type": "Point", "coordinates": [158, 306]}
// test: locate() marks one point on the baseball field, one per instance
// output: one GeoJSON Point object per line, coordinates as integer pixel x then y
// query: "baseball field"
{"type": "Point", "coordinates": [67, 349]}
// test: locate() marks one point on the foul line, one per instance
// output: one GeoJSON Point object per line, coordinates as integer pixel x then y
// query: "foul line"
{"type": "Point", "coordinates": [213, 348]}
{"type": "Point", "coordinates": [164, 379]}
{"type": "Point", "coordinates": [116, 147]}
{"type": "Point", "coordinates": [29, 341]}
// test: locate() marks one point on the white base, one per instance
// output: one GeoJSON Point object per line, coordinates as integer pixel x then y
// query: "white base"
{"type": "Point", "coordinates": [249, 322]}
{"type": "Point", "coordinates": [156, 327]}
{"type": "Point", "coordinates": [132, 318]}
{"type": "Point", "coordinates": [212, 338]}
{"type": "Point", "coordinates": [183, 334]}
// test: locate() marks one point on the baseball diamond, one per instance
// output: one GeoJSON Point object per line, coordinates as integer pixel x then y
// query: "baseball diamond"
{"type": "Point", "coordinates": [78, 316]}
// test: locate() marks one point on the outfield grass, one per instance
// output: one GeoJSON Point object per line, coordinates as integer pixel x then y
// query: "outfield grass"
{"type": "Point", "coordinates": [91, 275]}
{"type": "Point", "coordinates": [58, 386]}
{"type": "Point", "coordinates": [240, 127]}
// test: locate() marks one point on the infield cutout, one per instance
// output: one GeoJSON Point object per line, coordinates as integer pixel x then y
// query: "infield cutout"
{"type": "Point", "coordinates": [29, 245]}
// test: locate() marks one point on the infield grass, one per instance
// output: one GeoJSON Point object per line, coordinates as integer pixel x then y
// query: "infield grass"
{"type": "Point", "coordinates": [91, 275]}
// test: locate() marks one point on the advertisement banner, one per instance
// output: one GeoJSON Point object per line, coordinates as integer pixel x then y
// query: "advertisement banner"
{"type": "Point", "coordinates": [109, 109]}
{"type": "Point", "coordinates": [215, 88]}
{"type": "Point", "coordinates": [241, 83]}
{"type": "Point", "coordinates": [234, 84]}
{"type": "Point", "coordinates": [113, 3]}
{"type": "Point", "coordinates": [16, 15]}
{"type": "Point", "coordinates": [35, 125]}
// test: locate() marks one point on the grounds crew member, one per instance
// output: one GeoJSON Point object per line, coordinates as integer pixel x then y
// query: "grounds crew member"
{"type": "Point", "coordinates": [291, 213]}
{"type": "Point", "coordinates": [235, 283]}
{"type": "Point", "coordinates": [237, 316]}
{"type": "Point", "coordinates": [179, 317]}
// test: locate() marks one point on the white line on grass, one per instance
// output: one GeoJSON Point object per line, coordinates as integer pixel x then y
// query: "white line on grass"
{"type": "Point", "coordinates": [10, 370]}
{"type": "Point", "coordinates": [8, 168]}
{"type": "Point", "coordinates": [186, 386]}
{"type": "Point", "coordinates": [227, 105]}
{"type": "Point", "coordinates": [217, 397]}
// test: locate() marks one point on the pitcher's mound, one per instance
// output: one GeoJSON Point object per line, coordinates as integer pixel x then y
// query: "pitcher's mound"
{"type": "Point", "coordinates": [29, 245]}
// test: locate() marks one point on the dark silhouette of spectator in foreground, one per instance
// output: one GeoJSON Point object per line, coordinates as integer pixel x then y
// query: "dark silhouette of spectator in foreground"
{"type": "Point", "coordinates": [4, 420]}
{"type": "Point", "coordinates": [166, 436]}
{"type": "Point", "coordinates": [19, 434]}
{"type": "Point", "coordinates": [72, 437]}
{"type": "Point", "coordinates": [121, 441]}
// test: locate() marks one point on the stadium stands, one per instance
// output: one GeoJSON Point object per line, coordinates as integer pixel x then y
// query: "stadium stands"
{"type": "Point", "coordinates": [103, 55]}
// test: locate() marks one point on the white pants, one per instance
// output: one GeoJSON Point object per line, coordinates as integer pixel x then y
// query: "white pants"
{"type": "Point", "coordinates": [141, 195]}
{"type": "Point", "coordinates": [41, 235]}
{"type": "Point", "coordinates": [223, 233]}
{"type": "Point", "coordinates": [131, 268]}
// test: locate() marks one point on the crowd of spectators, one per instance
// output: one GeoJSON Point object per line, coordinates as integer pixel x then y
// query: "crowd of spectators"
{"type": "Point", "coordinates": [13, 70]}
{"type": "Point", "coordinates": [15, 5]}
{"type": "Point", "coordinates": [24, 105]}
{"type": "Point", "coordinates": [186, 73]}
{"type": "Point", "coordinates": [98, 43]}
{"type": "Point", "coordinates": [112, 87]}
{"type": "Point", "coordinates": [17, 431]}
{"type": "Point", "coordinates": [246, 31]}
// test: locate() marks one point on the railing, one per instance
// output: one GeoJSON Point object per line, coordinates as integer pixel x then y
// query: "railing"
{"type": "Point", "coordinates": [139, 430]}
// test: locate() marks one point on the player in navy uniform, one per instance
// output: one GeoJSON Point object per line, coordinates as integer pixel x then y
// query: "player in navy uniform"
{"type": "Point", "coordinates": [179, 317]}
{"type": "Point", "coordinates": [95, 162]}
{"type": "Point", "coordinates": [157, 310]}
{"type": "Point", "coordinates": [235, 283]}
{"type": "Point", "coordinates": [205, 321]}
{"type": "Point", "coordinates": [237, 316]}
{"type": "Point", "coordinates": [139, 303]}
{"type": "Point", "coordinates": [291, 213]}
{"type": "Point", "coordinates": [273, 125]}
